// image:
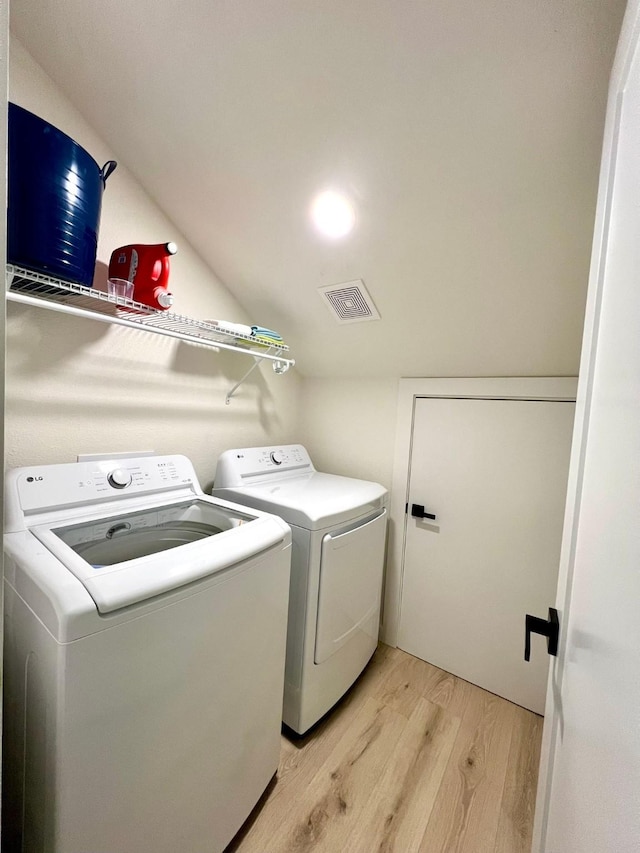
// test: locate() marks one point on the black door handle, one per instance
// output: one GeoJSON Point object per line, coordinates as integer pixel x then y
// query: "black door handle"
{"type": "Point", "coordinates": [417, 511]}
{"type": "Point", "coordinates": [549, 628]}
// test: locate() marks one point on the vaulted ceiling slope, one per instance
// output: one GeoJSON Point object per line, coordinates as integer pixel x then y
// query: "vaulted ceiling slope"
{"type": "Point", "coordinates": [467, 134]}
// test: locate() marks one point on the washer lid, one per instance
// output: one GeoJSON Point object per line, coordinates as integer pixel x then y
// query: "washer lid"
{"type": "Point", "coordinates": [127, 557]}
{"type": "Point", "coordinates": [314, 501]}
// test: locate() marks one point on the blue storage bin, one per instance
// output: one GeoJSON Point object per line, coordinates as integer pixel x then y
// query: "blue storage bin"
{"type": "Point", "coordinates": [54, 198]}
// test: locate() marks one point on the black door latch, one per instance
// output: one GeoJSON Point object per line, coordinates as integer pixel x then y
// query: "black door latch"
{"type": "Point", "coordinates": [417, 511]}
{"type": "Point", "coordinates": [549, 628]}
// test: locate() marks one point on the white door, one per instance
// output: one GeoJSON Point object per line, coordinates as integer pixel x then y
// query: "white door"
{"type": "Point", "coordinates": [494, 473]}
{"type": "Point", "coordinates": [589, 790]}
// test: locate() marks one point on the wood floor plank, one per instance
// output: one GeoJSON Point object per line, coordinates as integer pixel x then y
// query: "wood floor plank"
{"type": "Point", "coordinates": [333, 802]}
{"type": "Point", "coordinates": [394, 818]}
{"type": "Point", "coordinates": [404, 683]}
{"type": "Point", "coordinates": [449, 692]}
{"type": "Point", "coordinates": [466, 814]}
{"type": "Point", "coordinates": [515, 827]}
{"type": "Point", "coordinates": [326, 810]}
{"type": "Point", "coordinates": [302, 756]}
{"type": "Point", "coordinates": [411, 759]}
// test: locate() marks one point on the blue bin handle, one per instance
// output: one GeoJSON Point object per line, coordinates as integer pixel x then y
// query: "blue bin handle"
{"type": "Point", "coordinates": [107, 169]}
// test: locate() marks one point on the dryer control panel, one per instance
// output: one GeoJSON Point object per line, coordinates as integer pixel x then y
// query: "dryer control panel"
{"type": "Point", "coordinates": [247, 465]}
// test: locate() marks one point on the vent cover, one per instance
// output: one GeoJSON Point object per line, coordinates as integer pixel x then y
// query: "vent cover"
{"type": "Point", "coordinates": [349, 302]}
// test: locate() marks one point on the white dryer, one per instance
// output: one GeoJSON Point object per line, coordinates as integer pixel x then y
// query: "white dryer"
{"type": "Point", "coordinates": [338, 526]}
{"type": "Point", "coordinates": [145, 628]}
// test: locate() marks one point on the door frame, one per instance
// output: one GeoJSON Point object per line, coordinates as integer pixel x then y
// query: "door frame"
{"type": "Point", "coordinates": [561, 389]}
{"type": "Point", "coordinates": [4, 89]}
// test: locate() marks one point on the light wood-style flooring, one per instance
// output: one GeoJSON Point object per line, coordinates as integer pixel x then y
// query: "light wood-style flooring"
{"type": "Point", "coordinates": [412, 759]}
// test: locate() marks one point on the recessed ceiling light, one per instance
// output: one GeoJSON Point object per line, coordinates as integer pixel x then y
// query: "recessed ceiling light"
{"type": "Point", "coordinates": [333, 214]}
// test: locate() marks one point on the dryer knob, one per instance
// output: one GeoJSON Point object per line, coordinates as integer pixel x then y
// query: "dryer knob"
{"type": "Point", "coordinates": [119, 478]}
{"type": "Point", "coordinates": [277, 457]}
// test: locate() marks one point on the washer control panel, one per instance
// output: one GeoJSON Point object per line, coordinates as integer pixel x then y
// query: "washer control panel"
{"type": "Point", "coordinates": [254, 464]}
{"type": "Point", "coordinates": [44, 487]}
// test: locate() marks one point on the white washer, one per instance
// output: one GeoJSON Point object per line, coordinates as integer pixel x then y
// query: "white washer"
{"type": "Point", "coordinates": [338, 526]}
{"type": "Point", "coordinates": [144, 658]}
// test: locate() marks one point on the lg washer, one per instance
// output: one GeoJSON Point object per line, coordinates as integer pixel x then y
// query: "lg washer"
{"type": "Point", "coordinates": [145, 627]}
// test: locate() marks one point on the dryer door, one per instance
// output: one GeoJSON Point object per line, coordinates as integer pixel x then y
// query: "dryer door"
{"type": "Point", "coordinates": [350, 586]}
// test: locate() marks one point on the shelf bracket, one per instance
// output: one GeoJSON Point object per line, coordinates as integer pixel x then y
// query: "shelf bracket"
{"type": "Point", "coordinates": [280, 366]}
{"type": "Point", "coordinates": [256, 362]}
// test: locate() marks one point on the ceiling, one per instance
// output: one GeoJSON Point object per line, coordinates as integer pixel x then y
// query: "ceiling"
{"type": "Point", "coordinates": [467, 134]}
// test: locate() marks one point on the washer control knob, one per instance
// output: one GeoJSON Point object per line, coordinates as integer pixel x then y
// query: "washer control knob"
{"type": "Point", "coordinates": [277, 457]}
{"type": "Point", "coordinates": [119, 478]}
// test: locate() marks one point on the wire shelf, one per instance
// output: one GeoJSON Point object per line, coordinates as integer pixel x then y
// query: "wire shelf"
{"type": "Point", "coordinates": [42, 291]}
{"type": "Point", "coordinates": [31, 287]}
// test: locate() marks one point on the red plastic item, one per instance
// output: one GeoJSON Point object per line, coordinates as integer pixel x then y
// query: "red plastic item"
{"type": "Point", "coordinates": [147, 266]}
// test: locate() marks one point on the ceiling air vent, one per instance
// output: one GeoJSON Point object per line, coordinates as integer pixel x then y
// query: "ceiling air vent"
{"type": "Point", "coordinates": [349, 302]}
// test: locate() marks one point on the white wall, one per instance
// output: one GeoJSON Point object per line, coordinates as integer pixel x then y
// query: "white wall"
{"type": "Point", "coordinates": [74, 385]}
{"type": "Point", "coordinates": [349, 425]}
